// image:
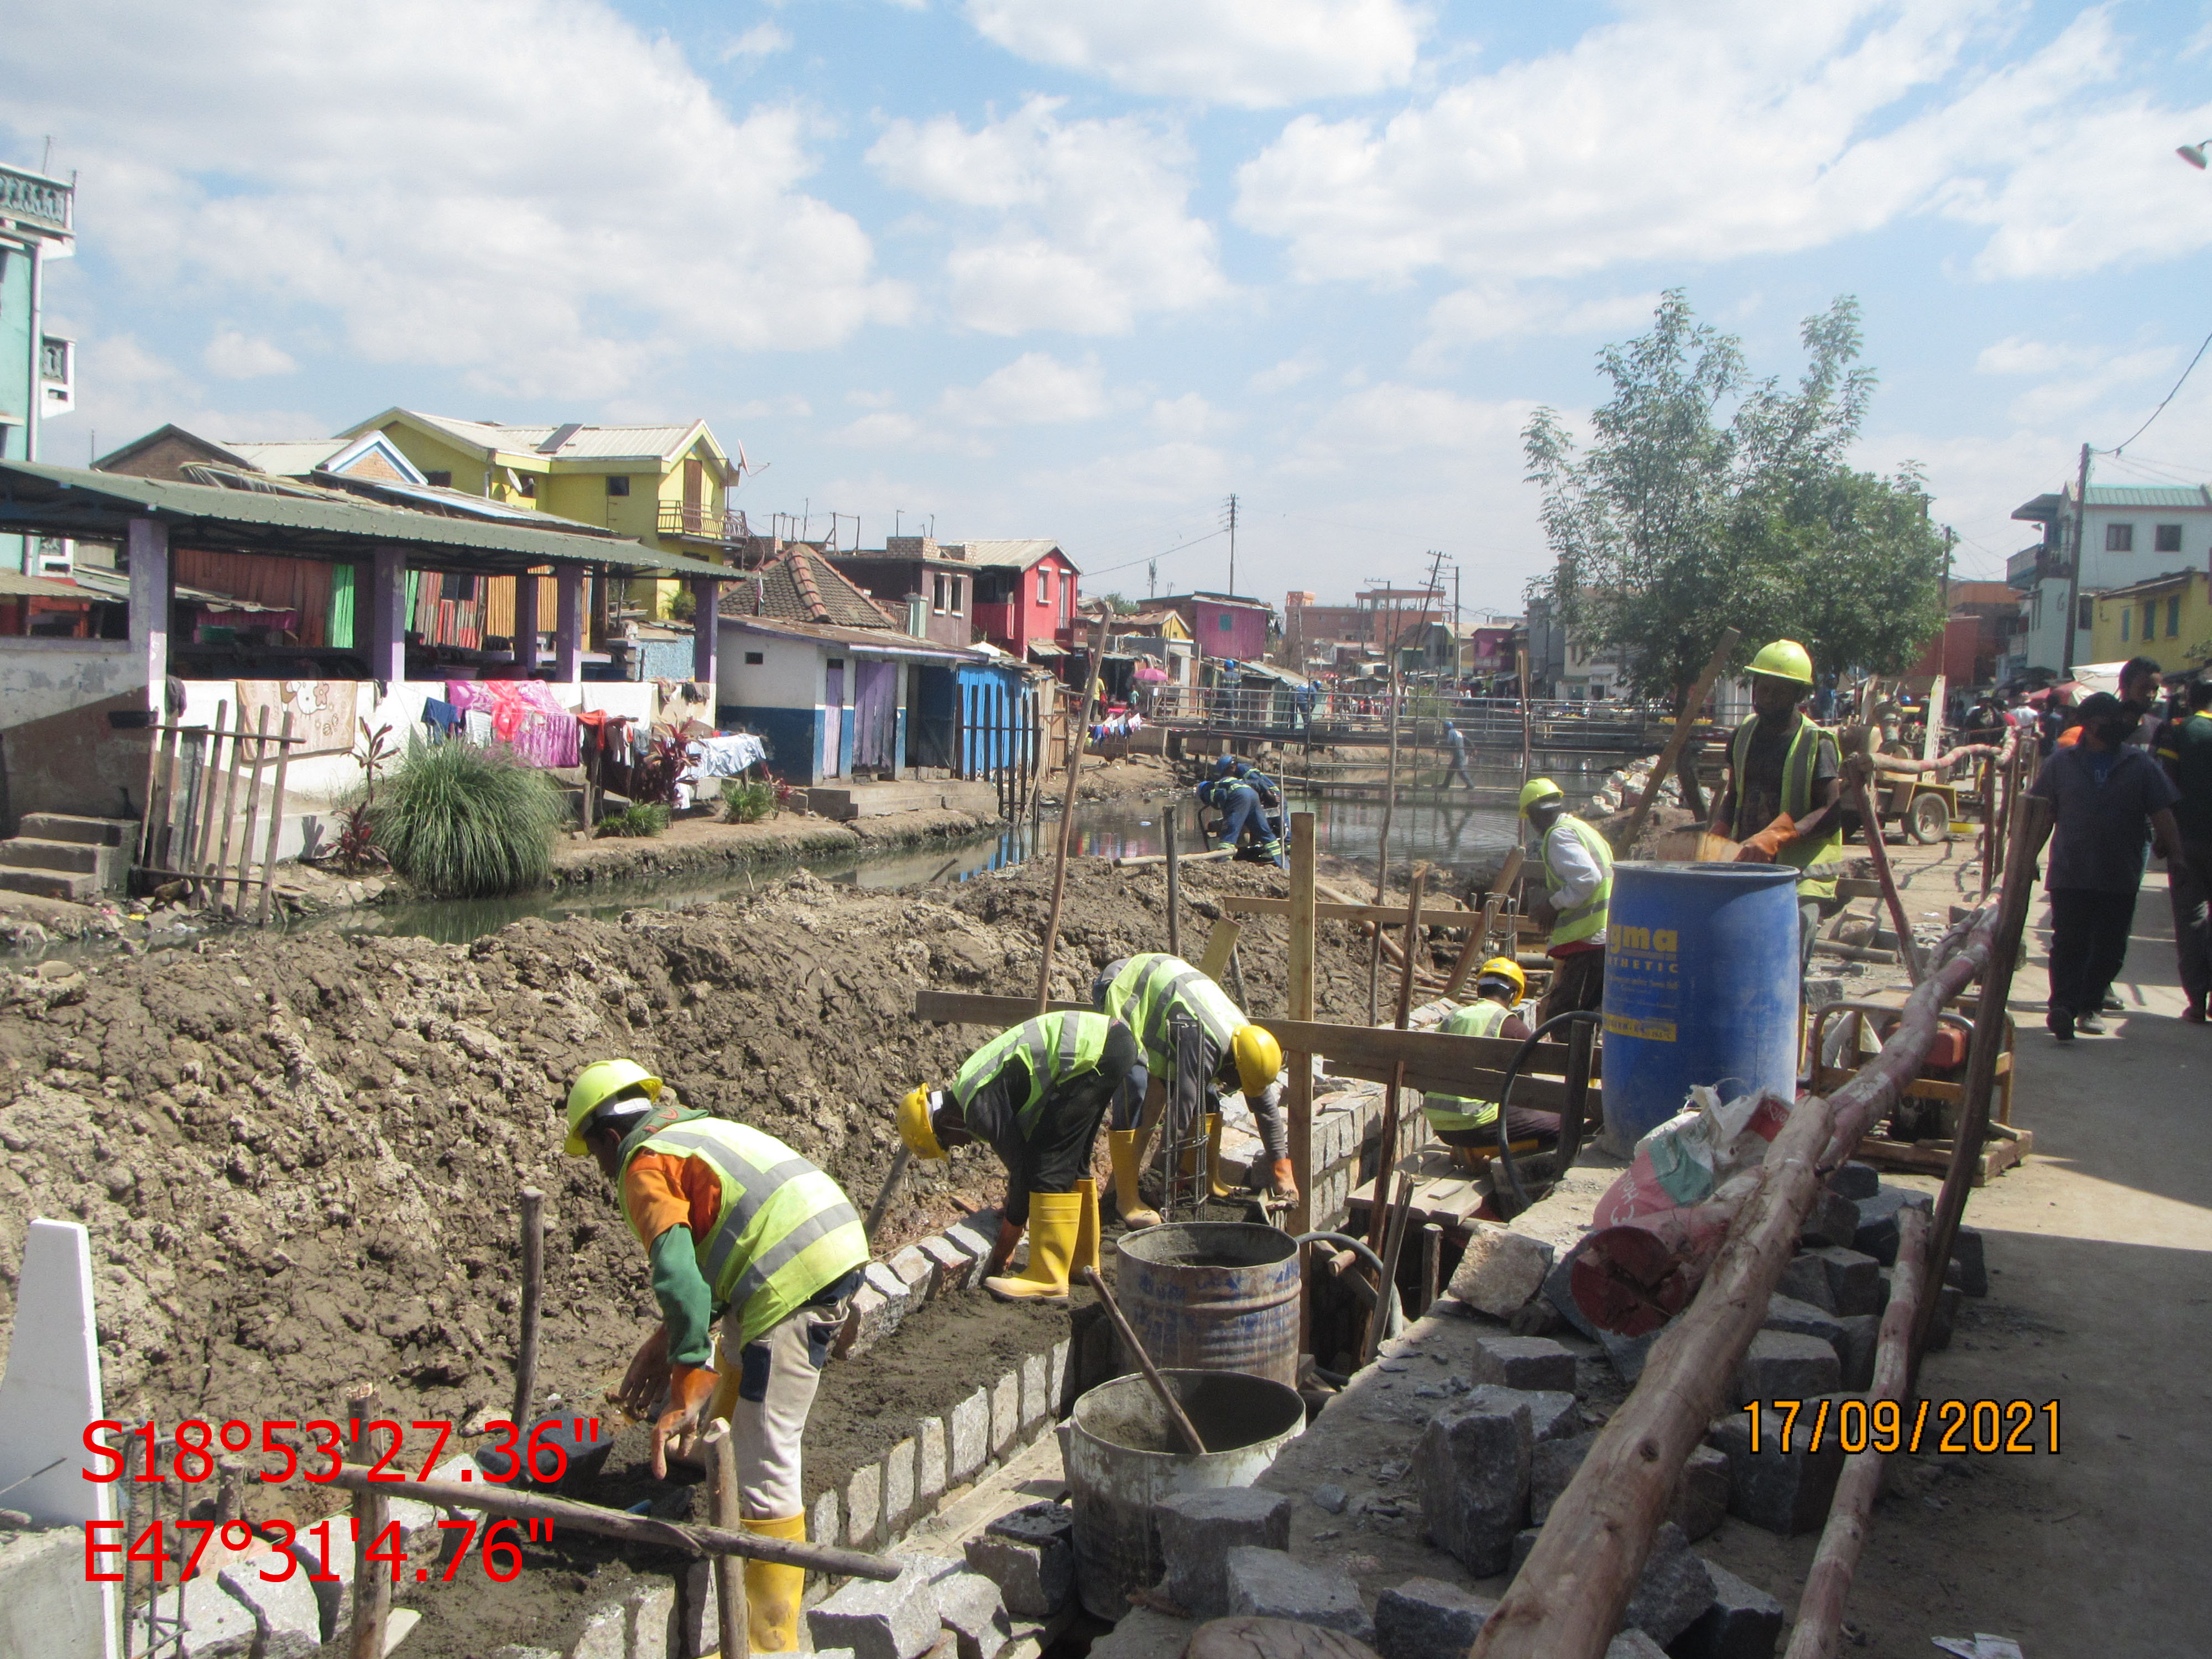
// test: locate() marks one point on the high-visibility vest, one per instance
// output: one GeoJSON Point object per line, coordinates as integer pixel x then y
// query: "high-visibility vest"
{"type": "Point", "coordinates": [1481, 1017]}
{"type": "Point", "coordinates": [1817, 858]}
{"type": "Point", "coordinates": [1153, 985]}
{"type": "Point", "coordinates": [785, 1231]}
{"type": "Point", "coordinates": [1586, 919]}
{"type": "Point", "coordinates": [1057, 1048]}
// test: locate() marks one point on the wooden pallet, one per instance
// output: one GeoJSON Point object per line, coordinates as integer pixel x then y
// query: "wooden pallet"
{"type": "Point", "coordinates": [1443, 1192]}
{"type": "Point", "coordinates": [1999, 1154]}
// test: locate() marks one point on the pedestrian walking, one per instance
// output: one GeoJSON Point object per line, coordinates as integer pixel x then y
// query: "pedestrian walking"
{"type": "Point", "coordinates": [2185, 747]}
{"type": "Point", "coordinates": [1458, 739]}
{"type": "Point", "coordinates": [2097, 802]}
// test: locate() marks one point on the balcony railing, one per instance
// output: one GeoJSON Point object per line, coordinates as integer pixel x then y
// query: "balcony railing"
{"type": "Point", "coordinates": [678, 519]}
{"type": "Point", "coordinates": [2023, 569]}
{"type": "Point", "coordinates": [37, 201]}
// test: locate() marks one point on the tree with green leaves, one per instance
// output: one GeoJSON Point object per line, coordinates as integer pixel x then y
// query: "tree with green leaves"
{"type": "Point", "coordinates": [1703, 501]}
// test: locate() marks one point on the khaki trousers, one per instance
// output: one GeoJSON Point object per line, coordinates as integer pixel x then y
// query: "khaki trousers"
{"type": "Point", "coordinates": [778, 1373]}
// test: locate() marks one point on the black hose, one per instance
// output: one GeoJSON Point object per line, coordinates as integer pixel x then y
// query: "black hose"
{"type": "Point", "coordinates": [1505, 1098]}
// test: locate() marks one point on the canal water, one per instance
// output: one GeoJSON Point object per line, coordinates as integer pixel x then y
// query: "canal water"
{"type": "Point", "coordinates": [1466, 842]}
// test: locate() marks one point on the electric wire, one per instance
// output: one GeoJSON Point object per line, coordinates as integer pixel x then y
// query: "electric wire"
{"type": "Point", "coordinates": [2163, 401]}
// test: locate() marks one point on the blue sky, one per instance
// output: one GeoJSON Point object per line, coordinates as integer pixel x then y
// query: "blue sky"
{"type": "Point", "coordinates": [1081, 268]}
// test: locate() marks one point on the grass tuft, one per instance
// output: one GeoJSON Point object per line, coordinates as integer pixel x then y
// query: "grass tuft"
{"type": "Point", "coordinates": [636, 821]}
{"type": "Point", "coordinates": [746, 803]}
{"type": "Point", "coordinates": [464, 821]}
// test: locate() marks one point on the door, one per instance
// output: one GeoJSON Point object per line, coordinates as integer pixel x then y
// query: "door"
{"type": "Point", "coordinates": [875, 714]}
{"type": "Point", "coordinates": [694, 486]}
{"type": "Point", "coordinates": [833, 718]}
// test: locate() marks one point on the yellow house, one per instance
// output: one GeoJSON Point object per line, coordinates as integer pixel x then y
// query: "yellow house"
{"type": "Point", "coordinates": [668, 487]}
{"type": "Point", "coordinates": [2166, 618]}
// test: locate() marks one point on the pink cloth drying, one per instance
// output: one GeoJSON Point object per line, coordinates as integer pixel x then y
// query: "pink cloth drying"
{"type": "Point", "coordinates": [524, 716]}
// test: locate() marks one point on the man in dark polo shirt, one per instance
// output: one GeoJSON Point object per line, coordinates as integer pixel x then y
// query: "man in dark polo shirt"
{"type": "Point", "coordinates": [2098, 802]}
{"type": "Point", "coordinates": [2186, 746]}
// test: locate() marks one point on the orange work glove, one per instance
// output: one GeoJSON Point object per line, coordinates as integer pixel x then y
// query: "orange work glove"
{"type": "Point", "coordinates": [689, 1388]}
{"type": "Point", "coordinates": [1763, 847]}
{"type": "Point", "coordinates": [1002, 1250]}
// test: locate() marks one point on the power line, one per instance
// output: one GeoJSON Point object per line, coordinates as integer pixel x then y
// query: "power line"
{"type": "Point", "coordinates": [2168, 399]}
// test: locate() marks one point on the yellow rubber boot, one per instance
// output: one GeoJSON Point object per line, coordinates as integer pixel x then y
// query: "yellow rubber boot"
{"type": "Point", "coordinates": [1122, 1145]}
{"type": "Point", "coordinates": [1213, 1157]}
{"type": "Point", "coordinates": [772, 1591]}
{"type": "Point", "coordinates": [1054, 1219]}
{"type": "Point", "coordinates": [1086, 1229]}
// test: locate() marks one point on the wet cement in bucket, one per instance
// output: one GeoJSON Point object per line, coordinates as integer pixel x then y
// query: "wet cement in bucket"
{"type": "Point", "coordinates": [1210, 1244]}
{"type": "Point", "coordinates": [1228, 1410]}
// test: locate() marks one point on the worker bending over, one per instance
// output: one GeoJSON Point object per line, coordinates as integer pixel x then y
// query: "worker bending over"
{"type": "Point", "coordinates": [737, 1227]}
{"type": "Point", "coordinates": [1500, 984]}
{"type": "Point", "coordinates": [1035, 1094]}
{"type": "Point", "coordinates": [1784, 798]}
{"type": "Point", "coordinates": [1245, 826]}
{"type": "Point", "coordinates": [1146, 993]}
{"type": "Point", "coordinates": [1578, 891]}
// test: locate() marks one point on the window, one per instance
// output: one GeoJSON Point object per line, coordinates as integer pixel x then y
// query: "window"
{"type": "Point", "coordinates": [1225, 622]}
{"type": "Point", "coordinates": [439, 480]}
{"type": "Point", "coordinates": [617, 485]}
{"type": "Point", "coordinates": [1044, 587]}
{"type": "Point", "coordinates": [2166, 538]}
{"type": "Point", "coordinates": [754, 659]}
{"type": "Point", "coordinates": [2150, 619]}
{"type": "Point", "coordinates": [2127, 619]}
{"type": "Point", "coordinates": [528, 484]}
{"type": "Point", "coordinates": [937, 594]}
{"type": "Point", "coordinates": [2088, 618]}
{"type": "Point", "coordinates": [2173, 618]}
{"type": "Point", "coordinates": [2119, 538]}
{"type": "Point", "coordinates": [959, 597]}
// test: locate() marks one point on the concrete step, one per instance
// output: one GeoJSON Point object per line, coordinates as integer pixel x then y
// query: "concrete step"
{"type": "Point", "coordinates": [49, 884]}
{"type": "Point", "coordinates": [27, 852]}
{"type": "Point", "coordinates": [67, 826]}
{"type": "Point", "coordinates": [867, 800]}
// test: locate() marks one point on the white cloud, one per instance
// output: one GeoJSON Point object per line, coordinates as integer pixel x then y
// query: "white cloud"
{"type": "Point", "coordinates": [529, 192]}
{"type": "Point", "coordinates": [1035, 389]}
{"type": "Point", "coordinates": [1190, 416]}
{"type": "Point", "coordinates": [237, 356]}
{"type": "Point", "coordinates": [1390, 418]}
{"type": "Point", "coordinates": [2017, 354]}
{"type": "Point", "coordinates": [1733, 127]}
{"type": "Point", "coordinates": [1499, 312]}
{"type": "Point", "coordinates": [762, 40]}
{"type": "Point", "coordinates": [1255, 54]}
{"type": "Point", "coordinates": [1178, 473]}
{"type": "Point", "coordinates": [1078, 225]}
{"type": "Point", "coordinates": [1286, 374]}
{"type": "Point", "coordinates": [889, 429]}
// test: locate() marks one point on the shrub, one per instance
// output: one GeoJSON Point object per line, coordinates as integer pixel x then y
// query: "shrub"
{"type": "Point", "coordinates": [636, 820]}
{"type": "Point", "coordinates": [747, 803]}
{"type": "Point", "coordinates": [462, 822]}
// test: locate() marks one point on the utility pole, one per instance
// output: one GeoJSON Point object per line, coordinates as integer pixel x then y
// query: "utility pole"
{"type": "Point", "coordinates": [2073, 569]}
{"type": "Point", "coordinates": [1232, 546]}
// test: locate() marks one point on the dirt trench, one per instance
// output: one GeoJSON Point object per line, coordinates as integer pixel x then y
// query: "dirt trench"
{"type": "Point", "coordinates": [298, 1159]}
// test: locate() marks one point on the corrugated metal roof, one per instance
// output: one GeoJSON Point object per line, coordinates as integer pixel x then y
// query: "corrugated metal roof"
{"type": "Point", "coordinates": [658, 442]}
{"type": "Point", "coordinates": [1020, 554]}
{"type": "Point", "coordinates": [2148, 495]}
{"type": "Point", "coordinates": [2148, 584]}
{"type": "Point", "coordinates": [883, 641]}
{"type": "Point", "coordinates": [290, 457]}
{"type": "Point", "coordinates": [14, 585]}
{"type": "Point", "coordinates": [71, 501]}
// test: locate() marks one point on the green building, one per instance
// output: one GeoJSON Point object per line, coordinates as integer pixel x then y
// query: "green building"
{"type": "Point", "coordinates": [38, 371]}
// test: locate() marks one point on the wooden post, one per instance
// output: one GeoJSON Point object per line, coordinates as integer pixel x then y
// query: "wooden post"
{"type": "Point", "coordinates": [729, 1571]}
{"type": "Point", "coordinates": [1668, 757]}
{"type": "Point", "coordinates": [161, 792]}
{"type": "Point", "coordinates": [1908, 950]}
{"type": "Point", "coordinates": [534, 1295]}
{"type": "Point", "coordinates": [1168, 1403]}
{"type": "Point", "coordinates": [1395, 1242]}
{"type": "Point", "coordinates": [1299, 1099]}
{"type": "Point", "coordinates": [1387, 1154]}
{"type": "Point", "coordinates": [211, 755]}
{"type": "Point", "coordinates": [1067, 815]}
{"type": "Point", "coordinates": [372, 1582]}
{"type": "Point", "coordinates": [1390, 812]}
{"type": "Point", "coordinates": [275, 819]}
{"type": "Point", "coordinates": [253, 805]}
{"type": "Point", "coordinates": [220, 869]}
{"type": "Point", "coordinates": [1432, 1264]}
{"type": "Point", "coordinates": [155, 742]}
{"type": "Point", "coordinates": [1520, 668]}
{"type": "Point", "coordinates": [1819, 1631]}
{"type": "Point", "coordinates": [1174, 881]}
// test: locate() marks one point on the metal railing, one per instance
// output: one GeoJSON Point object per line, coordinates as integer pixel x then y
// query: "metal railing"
{"type": "Point", "coordinates": [1486, 722]}
{"type": "Point", "coordinates": [676, 518]}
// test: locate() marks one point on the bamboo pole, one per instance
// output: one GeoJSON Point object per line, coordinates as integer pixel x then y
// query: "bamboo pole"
{"type": "Point", "coordinates": [1818, 1630]}
{"type": "Point", "coordinates": [220, 869]}
{"type": "Point", "coordinates": [1299, 1098]}
{"type": "Point", "coordinates": [1176, 1416]}
{"type": "Point", "coordinates": [1174, 881]}
{"type": "Point", "coordinates": [534, 1294]}
{"type": "Point", "coordinates": [619, 1523]}
{"type": "Point", "coordinates": [729, 1576]}
{"type": "Point", "coordinates": [1387, 1153]}
{"type": "Point", "coordinates": [1068, 818]}
{"type": "Point", "coordinates": [1673, 752]}
{"type": "Point", "coordinates": [1878, 849]}
{"type": "Point", "coordinates": [276, 821]}
{"type": "Point", "coordinates": [1395, 1243]}
{"type": "Point", "coordinates": [253, 805]}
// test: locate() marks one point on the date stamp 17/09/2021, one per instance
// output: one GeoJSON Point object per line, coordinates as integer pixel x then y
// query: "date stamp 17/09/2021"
{"type": "Point", "coordinates": [2017, 1427]}
{"type": "Point", "coordinates": [313, 1452]}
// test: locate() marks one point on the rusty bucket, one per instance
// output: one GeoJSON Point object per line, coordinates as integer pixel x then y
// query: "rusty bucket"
{"type": "Point", "coordinates": [1213, 1296]}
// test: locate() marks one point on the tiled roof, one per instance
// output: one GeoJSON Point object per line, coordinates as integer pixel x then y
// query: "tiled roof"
{"type": "Point", "coordinates": [800, 584]}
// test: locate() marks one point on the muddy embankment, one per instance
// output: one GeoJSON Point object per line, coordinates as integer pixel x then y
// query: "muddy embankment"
{"type": "Point", "coordinates": [299, 1158]}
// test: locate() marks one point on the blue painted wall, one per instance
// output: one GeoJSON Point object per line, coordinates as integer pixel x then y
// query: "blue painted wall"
{"type": "Point", "coordinates": [792, 737]}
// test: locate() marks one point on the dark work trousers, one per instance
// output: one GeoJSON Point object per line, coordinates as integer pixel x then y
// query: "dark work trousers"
{"type": "Point", "coordinates": [1809, 930]}
{"type": "Point", "coordinates": [2191, 896]}
{"type": "Point", "coordinates": [2088, 945]}
{"type": "Point", "coordinates": [1522, 1123]}
{"type": "Point", "coordinates": [1056, 1152]}
{"type": "Point", "coordinates": [1577, 983]}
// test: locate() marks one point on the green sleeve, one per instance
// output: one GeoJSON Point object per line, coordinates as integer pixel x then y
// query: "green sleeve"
{"type": "Point", "coordinates": [687, 1306]}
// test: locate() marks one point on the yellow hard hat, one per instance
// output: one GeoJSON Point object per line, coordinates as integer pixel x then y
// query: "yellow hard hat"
{"type": "Point", "coordinates": [1506, 968]}
{"type": "Point", "coordinates": [913, 1126]}
{"type": "Point", "coordinates": [593, 1086]}
{"type": "Point", "coordinates": [1785, 659]}
{"type": "Point", "coordinates": [1538, 789]}
{"type": "Point", "coordinates": [1259, 1058]}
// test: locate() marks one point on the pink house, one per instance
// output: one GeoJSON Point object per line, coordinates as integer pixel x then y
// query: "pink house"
{"type": "Point", "coordinates": [1223, 624]}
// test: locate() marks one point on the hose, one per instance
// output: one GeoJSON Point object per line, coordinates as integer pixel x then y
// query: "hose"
{"type": "Point", "coordinates": [1393, 1319]}
{"type": "Point", "coordinates": [1505, 1098]}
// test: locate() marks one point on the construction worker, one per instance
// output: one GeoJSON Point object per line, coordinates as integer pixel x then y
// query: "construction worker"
{"type": "Point", "coordinates": [1499, 985]}
{"type": "Point", "coordinates": [737, 1226]}
{"type": "Point", "coordinates": [1035, 1094]}
{"type": "Point", "coordinates": [1271, 834]}
{"type": "Point", "coordinates": [1782, 800]}
{"type": "Point", "coordinates": [1577, 891]}
{"type": "Point", "coordinates": [1146, 993]}
{"type": "Point", "coordinates": [1242, 816]}
{"type": "Point", "coordinates": [1457, 740]}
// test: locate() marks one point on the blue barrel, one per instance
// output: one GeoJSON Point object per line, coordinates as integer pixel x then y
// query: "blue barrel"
{"type": "Point", "coordinates": [1701, 985]}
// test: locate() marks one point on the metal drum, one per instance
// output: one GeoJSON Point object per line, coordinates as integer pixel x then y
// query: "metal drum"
{"type": "Point", "coordinates": [1123, 1457]}
{"type": "Point", "coordinates": [1213, 1296]}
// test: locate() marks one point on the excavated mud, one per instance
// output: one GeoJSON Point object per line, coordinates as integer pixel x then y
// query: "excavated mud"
{"type": "Point", "coordinates": [299, 1160]}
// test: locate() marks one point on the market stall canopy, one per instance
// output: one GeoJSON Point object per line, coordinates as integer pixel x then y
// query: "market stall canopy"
{"type": "Point", "coordinates": [39, 499]}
